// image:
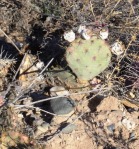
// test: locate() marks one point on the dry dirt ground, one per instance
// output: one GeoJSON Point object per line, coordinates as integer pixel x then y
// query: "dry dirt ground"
{"type": "Point", "coordinates": [109, 126]}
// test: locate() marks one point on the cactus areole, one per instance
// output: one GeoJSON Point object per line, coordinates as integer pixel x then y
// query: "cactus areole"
{"type": "Point", "coordinates": [88, 58]}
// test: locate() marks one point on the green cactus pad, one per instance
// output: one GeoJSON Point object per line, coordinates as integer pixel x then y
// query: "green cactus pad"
{"type": "Point", "coordinates": [88, 58]}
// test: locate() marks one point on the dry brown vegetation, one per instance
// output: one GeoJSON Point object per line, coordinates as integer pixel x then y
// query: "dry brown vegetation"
{"type": "Point", "coordinates": [31, 31]}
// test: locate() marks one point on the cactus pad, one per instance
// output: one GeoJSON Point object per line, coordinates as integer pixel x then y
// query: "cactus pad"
{"type": "Point", "coordinates": [88, 58]}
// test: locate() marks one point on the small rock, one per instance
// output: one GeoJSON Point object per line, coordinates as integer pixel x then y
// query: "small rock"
{"type": "Point", "coordinates": [81, 29]}
{"type": "Point", "coordinates": [132, 136]}
{"type": "Point", "coordinates": [45, 125]}
{"type": "Point", "coordinates": [128, 123]}
{"type": "Point", "coordinates": [85, 35]}
{"type": "Point", "coordinates": [38, 122]}
{"type": "Point", "coordinates": [41, 129]}
{"type": "Point", "coordinates": [62, 105]}
{"type": "Point", "coordinates": [85, 32]}
{"type": "Point", "coordinates": [69, 128]}
{"type": "Point", "coordinates": [58, 91]}
{"type": "Point", "coordinates": [111, 128]}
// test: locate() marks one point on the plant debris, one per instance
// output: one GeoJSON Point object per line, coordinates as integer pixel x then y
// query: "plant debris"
{"type": "Point", "coordinates": [43, 101]}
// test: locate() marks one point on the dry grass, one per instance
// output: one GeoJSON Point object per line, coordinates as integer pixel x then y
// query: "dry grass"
{"type": "Point", "coordinates": [120, 16]}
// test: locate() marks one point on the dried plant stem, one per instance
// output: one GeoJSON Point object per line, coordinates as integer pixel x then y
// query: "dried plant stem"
{"type": "Point", "coordinates": [51, 98]}
{"type": "Point", "coordinates": [131, 6]}
{"type": "Point", "coordinates": [121, 58]}
{"type": "Point", "coordinates": [121, 27]}
{"type": "Point", "coordinates": [9, 86]}
{"type": "Point", "coordinates": [41, 72]}
{"type": "Point", "coordinates": [11, 41]}
{"type": "Point", "coordinates": [35, 79]}
{"type": "Point", "coordinates": [19, 67]}
{"type": "Point", "coordinates": [92, 10]}
{"type": "Point", "coordinates": [27, 106]}
{"type": "Point", "coordinates": [113, 8]}
{"type": "Point", "coordinates": [37, 108]}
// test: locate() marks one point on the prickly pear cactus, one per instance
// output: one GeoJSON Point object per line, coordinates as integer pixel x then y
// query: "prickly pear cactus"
{"type": "Point", "coordinates": [88, 58]}
{"type": "Point", "coordinates": [57, 76]}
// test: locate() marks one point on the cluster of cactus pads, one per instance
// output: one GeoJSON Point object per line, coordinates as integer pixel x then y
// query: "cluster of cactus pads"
{"type": "Point", "coordinates": [88, 58]}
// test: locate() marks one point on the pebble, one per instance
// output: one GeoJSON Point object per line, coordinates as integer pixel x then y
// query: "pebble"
{"type": "Point", "coordinates": [111, 127]}
{"type": "Point", "coordinates": [62, 105]}
{"type": "Point", "coordinates": [58, 91]}
{"type": "Point", "coordinates": [69, 128]}
{"type": "Point", "coordinates": [85, 32]}
{"type": "Point", "coordinates": [132, 136]}
{"type": "Point", "coordinates": [129, 124]}
{"type": "Point", "coordinates": [41, 129]}
{"type": "Point", "coordinates": [85, 35]}
{"type": "Point", "coordinates": [38, 122]}
{"type": "Point", "coordinates": [81, 28]}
